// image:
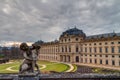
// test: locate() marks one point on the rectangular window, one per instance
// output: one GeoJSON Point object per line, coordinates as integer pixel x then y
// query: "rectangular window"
{"type": "Point", "coordinates": [100, 49]}
{"type": "Point", "coordinates": [77, 50]}
{"type": "Point", "coordinates": [113, 62]}
{"type": "Point", "coordinates": [106, 61]}
{"type": "Point", "coordinates": [85, 49]}
{"type": "Point", "coordinates": [119, 49]}
{"type": "Point", "coordinates": [90, 60]}
{"type": "Point", "coordinates": [69, 49]}
{"type": "Point", "coordinates": [85, 60]}
{"type": "Point", "coordinates": [112, 49]}
{"type": "Point", "coordinates": [95, 60]}
{"type": "Point", "coordinates": [106, 49]}
{"type": "Point", "coordinates": [95, 50]}
{"type": "Point", "coordinates": [65, 48]}
{"type": "Point", "coordinates": [100, 61]}
{"type": "Point", "coordinates": [90, 49]}
{"type": "Point", "coordinates": [62, 49]}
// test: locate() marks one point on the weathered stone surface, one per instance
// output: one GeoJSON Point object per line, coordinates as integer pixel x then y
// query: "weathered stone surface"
{"type": "Point", "coordinates": [61, 76]}
{"type": "Point", "coordinates": [30, 76]}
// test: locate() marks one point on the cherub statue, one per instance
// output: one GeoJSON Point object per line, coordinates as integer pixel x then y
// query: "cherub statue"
{"type": "Point", "coordinates": [30, 58]}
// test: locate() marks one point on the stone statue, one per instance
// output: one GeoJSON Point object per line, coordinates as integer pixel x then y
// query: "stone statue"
{"type": "Point", "coordinates": [30, 58]}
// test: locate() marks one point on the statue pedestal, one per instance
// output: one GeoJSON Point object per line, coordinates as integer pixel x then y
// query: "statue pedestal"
{"type": "Point", "coordinates": [29, 76]}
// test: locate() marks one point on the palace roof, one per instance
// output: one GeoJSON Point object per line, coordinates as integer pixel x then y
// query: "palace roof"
{"type": "Point", "coordinates": [106, 35]}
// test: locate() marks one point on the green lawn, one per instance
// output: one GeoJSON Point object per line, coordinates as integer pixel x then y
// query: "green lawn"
{"type": "Point", "coordinates": [50, 66]}
{"type": "Point", "coordinates": [59, 67]}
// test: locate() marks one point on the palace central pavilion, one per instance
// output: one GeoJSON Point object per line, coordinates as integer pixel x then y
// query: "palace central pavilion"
{"type": "Point", "coordinates": [74, 46]}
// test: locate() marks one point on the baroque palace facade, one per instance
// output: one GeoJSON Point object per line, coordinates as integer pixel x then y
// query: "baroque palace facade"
{"type": "Point", "coordinates": [74, 46]}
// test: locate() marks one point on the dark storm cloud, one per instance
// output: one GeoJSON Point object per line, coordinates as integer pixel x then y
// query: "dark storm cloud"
{"type": "Point", "coordinates": [32, 20]}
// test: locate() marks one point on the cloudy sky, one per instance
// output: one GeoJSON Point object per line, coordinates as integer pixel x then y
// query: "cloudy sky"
{"type": "Point", "coordinates": [32, 20]}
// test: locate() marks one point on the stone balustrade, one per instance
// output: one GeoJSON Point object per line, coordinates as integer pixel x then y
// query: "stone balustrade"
{"type": "Point", "coordinates": [62, 76]}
